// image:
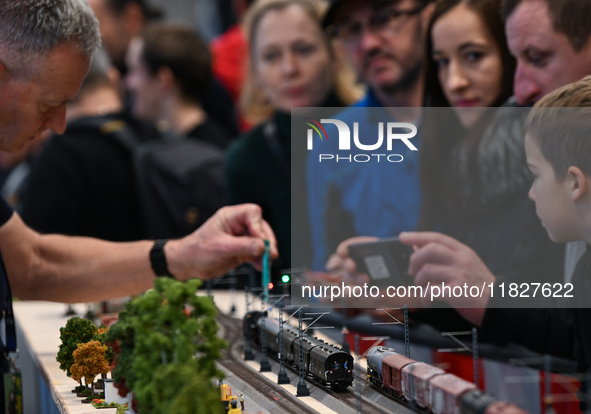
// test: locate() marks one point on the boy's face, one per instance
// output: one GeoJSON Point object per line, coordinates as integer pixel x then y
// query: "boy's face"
{"type": "Point", "coordinates": [554, 204]}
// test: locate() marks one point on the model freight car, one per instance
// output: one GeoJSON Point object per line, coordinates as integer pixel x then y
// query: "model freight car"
{"type": "Point", "coordinates": [415, 382]}
{"type": "Point", "coordinates": [431, 388]}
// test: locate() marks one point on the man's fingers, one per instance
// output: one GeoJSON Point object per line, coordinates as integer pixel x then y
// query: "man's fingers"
{"type": "Point", "coordinates": [314, 276]}
{"type": "Point", "coordinates": [245, 247]}
{"type": "Point", "coordinates": [430, 253]}
{"type": "Point", "coordinates": [350, 265]}
{"type": "Point", "coordinates": [335, 262]}
{"type": "Point", "coordinates": [343, 248]}
{"type": "Point", "coordinates": [249, 217]}
{"type": "Point", "coordinates": [431, 274]}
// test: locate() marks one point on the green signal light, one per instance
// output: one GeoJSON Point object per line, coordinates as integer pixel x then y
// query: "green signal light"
{"type": "Point", "coordinates": [285, 278]}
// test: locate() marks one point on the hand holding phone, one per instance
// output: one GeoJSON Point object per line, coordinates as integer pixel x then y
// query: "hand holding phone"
{"type": "Point", "coordinates": [385, 261]}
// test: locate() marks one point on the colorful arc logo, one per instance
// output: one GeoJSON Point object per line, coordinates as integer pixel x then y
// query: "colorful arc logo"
{"type": "Point", "coordinates": [316, 129]}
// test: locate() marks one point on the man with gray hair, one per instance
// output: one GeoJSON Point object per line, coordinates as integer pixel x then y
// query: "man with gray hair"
{"type": "Point", "coordinates": [45, 51]}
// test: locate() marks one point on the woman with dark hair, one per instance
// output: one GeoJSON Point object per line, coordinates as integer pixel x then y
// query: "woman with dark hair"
{"type": "Point", "coordinates": [473, 174]}
{"type": "Point", "coordinates": [472, 32]}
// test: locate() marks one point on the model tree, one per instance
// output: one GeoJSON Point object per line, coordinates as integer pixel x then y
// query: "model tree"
{"type": "Point", "coordinates": [100, 336]}
{"type": "Point", "coordinates": [76, 331]}
{"type": "Point", "coordinates": [180, 391]}
{"type": "Point", "coordinates": [164, 353]}
{"type": "Point", "coordinates": [90, 361]}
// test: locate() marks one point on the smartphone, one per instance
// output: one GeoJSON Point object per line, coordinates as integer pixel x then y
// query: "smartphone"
{"type": "Point", "coordinates": [385, 261]}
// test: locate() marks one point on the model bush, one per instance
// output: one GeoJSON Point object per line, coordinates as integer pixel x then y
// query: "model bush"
{"type": "Point", "coordinates": [165, 345]}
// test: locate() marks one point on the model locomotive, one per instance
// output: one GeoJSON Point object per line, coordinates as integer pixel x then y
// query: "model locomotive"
{"type": "Point", "coordinates": [430, 388]}
{"type": "Point", "coordinates": [327, 364]}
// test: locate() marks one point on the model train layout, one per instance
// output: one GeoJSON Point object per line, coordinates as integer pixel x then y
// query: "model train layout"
{"type": "Point", "coordinates": [426, 388]}
{"type": "Point", "coordinates": [327, 364]}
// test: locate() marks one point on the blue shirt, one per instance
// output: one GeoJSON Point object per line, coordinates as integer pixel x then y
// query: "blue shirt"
{"type": "Point", "coordinates": [382, 198]}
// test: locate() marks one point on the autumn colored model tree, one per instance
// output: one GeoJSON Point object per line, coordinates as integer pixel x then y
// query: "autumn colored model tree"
{"type": "Point", "coordinates": [100, 336]}
{"type": "Point", "coordinates": [90, 361]}
{"type": "Point", "coordinates": [76, 331]}
{"type": "Point", "coordinates": [166, 355]}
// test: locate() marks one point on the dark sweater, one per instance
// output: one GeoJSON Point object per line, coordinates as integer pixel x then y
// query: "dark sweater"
{"type": "Point", "coordinates": [83, 184]}
{"type": "Point", "coordinates": [5, 295]}
{"type": "Point", "coordinates": [211, 132]}
{"type": "Point", "coordinates": [556, 331]}
{"type": "Point", "coordinates": [258, 173]}
{"type": "Point", "coordinates": [581, 314]}
{"type": "Point", "coordinates": [255, 175]}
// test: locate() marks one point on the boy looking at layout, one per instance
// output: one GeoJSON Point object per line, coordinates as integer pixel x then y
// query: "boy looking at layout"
{"type": "Point", "coordinates": [558, 151]}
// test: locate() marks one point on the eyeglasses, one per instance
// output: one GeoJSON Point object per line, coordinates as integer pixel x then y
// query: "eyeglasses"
{"type": "Point", "coordinates": [387, 20]}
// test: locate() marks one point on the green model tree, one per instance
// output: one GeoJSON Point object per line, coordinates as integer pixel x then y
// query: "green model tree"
{"type": "Point", "coordinates": [100, 336]}
{"type": "Point", "coordinates": [166, 347]}
{"type": "Point", "coordinates": [90, 361]}
{"type": "Point", "coordinates": [76, 331]}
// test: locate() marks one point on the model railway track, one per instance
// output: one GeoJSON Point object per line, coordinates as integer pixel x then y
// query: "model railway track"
{"type": "Point", "coordinates": [360, 376]}
{"type": "Point", "coordinates": [368, 405]}
{"type": "Point", "coordinates": [233, 334]}
{"type": "Point", "coordinates": [349, 398]}
{"type": "Point", "coordinates": [286, 401]}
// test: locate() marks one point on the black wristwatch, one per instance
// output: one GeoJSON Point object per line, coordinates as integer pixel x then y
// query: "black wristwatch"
{"type": "Point", "coordinates": [158, 259]}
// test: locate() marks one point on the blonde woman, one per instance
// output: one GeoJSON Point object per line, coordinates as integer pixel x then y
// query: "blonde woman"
{"type": "Point", "coordinates": [292, 64]}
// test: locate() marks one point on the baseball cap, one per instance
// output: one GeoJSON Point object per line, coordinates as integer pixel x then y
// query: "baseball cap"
{"type": "Point", "coordinates": [332, 12]}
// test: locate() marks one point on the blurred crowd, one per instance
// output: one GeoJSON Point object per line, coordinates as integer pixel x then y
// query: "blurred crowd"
{"type": "Point", "coordinates": [232, 98]}
{"type": "Point", "coordinates": [236, 93]}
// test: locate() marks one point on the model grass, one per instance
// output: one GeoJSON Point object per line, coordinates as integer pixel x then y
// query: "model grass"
{"type": "Point", "coordinates": [100, 403]}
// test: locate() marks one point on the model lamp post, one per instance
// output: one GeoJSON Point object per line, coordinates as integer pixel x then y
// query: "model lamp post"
{"type": "Point", "coordinates": [464, 348]}
{"type": "Point", "coordinates": [282, 377]}
{"type": "Point", "coordinates": [302, 390]}
{"type": "Point", "coordinates": [398, 322]}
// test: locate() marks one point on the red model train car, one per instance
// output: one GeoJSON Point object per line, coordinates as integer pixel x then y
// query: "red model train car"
{"type": "Point", "coordinates": [446, 392]}
{"type": "Point", "coordinates": [415, 382]}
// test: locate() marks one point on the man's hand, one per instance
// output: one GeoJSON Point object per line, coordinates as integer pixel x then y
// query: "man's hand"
{"type": "Point", "coordinates": [440, 258]}
{"type": "Point", "coordinates": [232, 236]}
{"type": "Point", "coordinates": [344, 269]}
{"type": "Point", "coordinates": [340, 260]}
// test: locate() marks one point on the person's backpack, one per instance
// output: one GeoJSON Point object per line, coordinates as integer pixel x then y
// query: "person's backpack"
{"type": "Point", "coordinates": [180, 181]}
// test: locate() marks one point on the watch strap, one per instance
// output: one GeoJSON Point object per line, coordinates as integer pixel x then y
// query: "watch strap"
{"type": "Point", "coordinates": [158, 259]}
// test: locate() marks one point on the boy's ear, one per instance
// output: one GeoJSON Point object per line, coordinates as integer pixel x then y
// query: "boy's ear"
{"type": "Point", "coordinates": [578, 181]}
{"type": "Point", "coordinates": [166, 78]}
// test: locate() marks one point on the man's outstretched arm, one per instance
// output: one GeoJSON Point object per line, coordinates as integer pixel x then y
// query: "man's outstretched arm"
{"type": "Point", "coordinates": [79, 269]}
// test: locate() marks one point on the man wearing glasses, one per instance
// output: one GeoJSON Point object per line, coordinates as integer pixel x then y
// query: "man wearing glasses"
{"type": "Point", "coordinates": [384, 41]}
